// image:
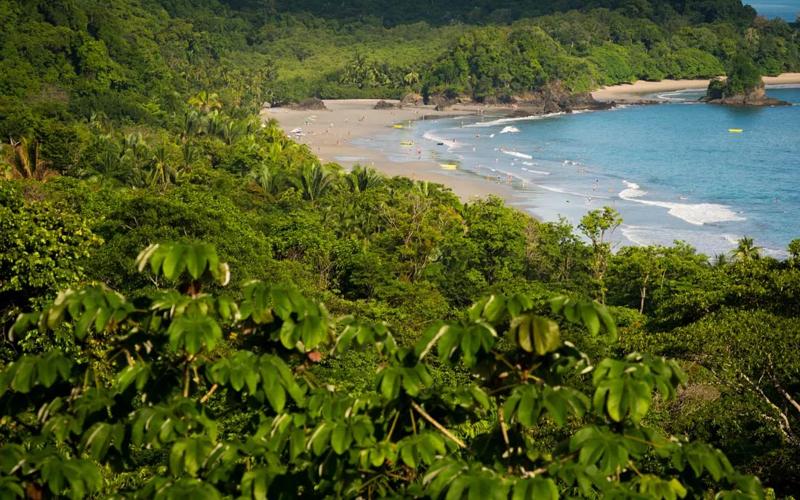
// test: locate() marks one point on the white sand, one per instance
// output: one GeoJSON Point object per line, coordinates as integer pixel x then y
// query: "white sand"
{"type": "Point", "coordinates": [329, 133]}
{"type": "Point", "coordinates": [635, 91]}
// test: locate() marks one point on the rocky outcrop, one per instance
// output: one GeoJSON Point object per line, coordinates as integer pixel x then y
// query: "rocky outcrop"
{"type": "Point", "coordinates": [555, 98]}
{"type": "Point", "coordinates": [757, 96]}
{"type": "Point", "coordinates": [312, 103]}
{"type": "Point", "coordinates": [443, 101]}
{"type": "Point", "coordinates": [386, 105]}
{"type": "Point", "coordinates": [552, 98]}
{"type": "Point", "coordinates": [411, 99]}
{"type": "Point", "coordinates": [440, 102]}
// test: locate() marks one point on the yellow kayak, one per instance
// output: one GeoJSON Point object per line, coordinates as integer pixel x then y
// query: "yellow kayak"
{"type": "Point", "coordinates": [398, 125]}
{"type": "Point", "coordinates": [406, 143]}
{"type": "Point", "coordinates": [735, 130]}
{"type": "Point", "coordinates": [448, 166]}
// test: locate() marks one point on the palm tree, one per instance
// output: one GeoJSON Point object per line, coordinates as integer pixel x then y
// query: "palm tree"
{"type": "Point", "coordinates": [188, 155]}
{"type": "Point", "coordinates": [287, 154]}
{"type": "Point", "coordinates": [205, 101]}
{"type": "Point", "coordinates": [192, 125]}
{"type": "Point", "coordinates": [161, 173]}
{"type": "Point", "coordinates": [361, 179]}
{"type": "Point", "coordinates": [411, 79]}
{"type": "Point", "coordinates": [232, 130]}
{"type": "Point", "coordinates": [24, 161]}
{"type": "Point", "coordinates": [214, 123]}
{"type": "Point", "coordinates": [422, 187]}
{"type": "Point", "coordinates": [268, 178]}
{"type": "Point", "coordinates": [746, 250]}
{"type": "Point", "coordinates": [134, 147]}
{"type": "Point", "coordinates": [110, 158]}
{"type": "Point", "coordinates": [314, 181]}
{"type": "Point", "coordinates": [134, 157]}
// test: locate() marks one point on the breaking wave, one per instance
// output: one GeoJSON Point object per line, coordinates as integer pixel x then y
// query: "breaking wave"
{"type": "Point", "coordinates": [697, 213]}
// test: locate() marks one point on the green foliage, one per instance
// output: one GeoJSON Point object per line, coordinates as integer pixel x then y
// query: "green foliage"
{"type": "Point", "coordinates": [189, 379]}
{"type": "Point", "coordinates": [743, 76]}
{"type": "Point", "coordinates": [596, 226]}
{"type": "Point", "coordinates": [311, 431]}
{"type": "Point", "coordinates": [44, 247]}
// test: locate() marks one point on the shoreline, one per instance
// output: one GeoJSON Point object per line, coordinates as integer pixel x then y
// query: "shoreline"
{"type": "Point", "coordinates": [633, 92]}
{"type": "Point", "coordinates": [329, 133]}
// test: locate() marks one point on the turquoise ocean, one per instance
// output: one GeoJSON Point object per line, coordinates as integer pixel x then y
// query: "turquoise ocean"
{"type": "Point", "coordinates": [674, 171]}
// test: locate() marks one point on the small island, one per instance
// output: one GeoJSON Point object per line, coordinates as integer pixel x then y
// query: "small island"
{"type": "Point", "coordinates": [743, 86]}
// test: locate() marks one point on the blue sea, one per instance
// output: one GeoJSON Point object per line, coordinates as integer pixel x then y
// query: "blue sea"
{"type": "Point", "coordinates": [785, 9]}
{"type": "Point", "coordinates": [674, 171]}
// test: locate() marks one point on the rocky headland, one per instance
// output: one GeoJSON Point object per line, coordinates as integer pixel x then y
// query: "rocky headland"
{"type": "Point", "coordinates": [718, 93]}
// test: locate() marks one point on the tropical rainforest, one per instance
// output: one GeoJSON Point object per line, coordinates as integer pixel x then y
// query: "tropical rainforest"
{"type": "Point", "coordinates": [193, 305]}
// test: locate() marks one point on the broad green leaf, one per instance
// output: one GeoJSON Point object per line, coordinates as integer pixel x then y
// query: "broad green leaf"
{"type": "Point", "coordinates": [546, 336]}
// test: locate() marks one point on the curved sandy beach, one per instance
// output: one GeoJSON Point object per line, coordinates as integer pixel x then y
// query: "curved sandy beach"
{"type": "Point", "coordinates": [329, 134]}
{"type": "Point", "coordinates": [633, 92]}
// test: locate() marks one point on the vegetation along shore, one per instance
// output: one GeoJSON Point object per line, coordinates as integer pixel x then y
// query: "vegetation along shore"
{"type": "Point", "coordinates": [201, 298]}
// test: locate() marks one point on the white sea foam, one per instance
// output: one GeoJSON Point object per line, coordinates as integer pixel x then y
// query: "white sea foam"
{"type": "Point", "coordinates": [570, 193]}
{"type": "Point", "coordinates": [509, 130]}
{"type": "Point", "coordinates": [435, 138]}
{"type": "Point", "coordinates": [538, 172]}
{"type": "Point", "coordinates": [685, 95]}
{"type": "Point", "coordinates": [504, 121]}
{"type": "Point", "coordinates": [635, 236]}
{"type": "Point", "coordinates": [516, 154]}
{"type": "Point", "coordinates": [707, 243]}
{"type": "Point", "coordinates": [697, 213]}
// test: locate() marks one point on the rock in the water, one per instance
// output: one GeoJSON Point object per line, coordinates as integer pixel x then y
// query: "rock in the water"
{"type": "Point", "coordinates": [757, 96]}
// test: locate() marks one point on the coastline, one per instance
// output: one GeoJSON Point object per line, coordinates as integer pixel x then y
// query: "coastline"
{"type": "Point", "coordinates": [330, 133]}
{"type": "Point", "coordinates": [634, 92]}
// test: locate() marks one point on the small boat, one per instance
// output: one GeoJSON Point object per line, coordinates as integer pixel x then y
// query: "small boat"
{"type": "Point", "coordinates": [735, 130]}
{"type": "Point", "coordinates": [448, 166]}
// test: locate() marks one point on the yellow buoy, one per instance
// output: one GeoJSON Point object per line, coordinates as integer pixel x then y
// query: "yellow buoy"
{"type": "Point", "coordinates": [735, 130]}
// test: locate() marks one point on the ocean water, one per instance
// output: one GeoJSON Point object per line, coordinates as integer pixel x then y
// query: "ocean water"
{"type": "Point", "coordinates": [674, 171]}
{"type": "Point", "coordinates": [785, 9]}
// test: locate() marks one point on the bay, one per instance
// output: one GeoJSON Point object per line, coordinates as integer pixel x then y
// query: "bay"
{"type": "Point", "coordinates": [674, 171]}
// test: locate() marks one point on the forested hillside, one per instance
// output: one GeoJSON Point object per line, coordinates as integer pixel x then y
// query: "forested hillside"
{"type": "Point", "coordinates": [191, 304]}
